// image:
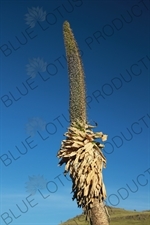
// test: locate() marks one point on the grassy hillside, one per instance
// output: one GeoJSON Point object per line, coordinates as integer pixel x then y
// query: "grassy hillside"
{"type": "Point", "coordinates": [118, 217]}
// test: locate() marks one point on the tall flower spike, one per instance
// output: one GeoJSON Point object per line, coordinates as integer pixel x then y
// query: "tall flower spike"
{"type": "Point", "coordinates": [80, 152]}
{"type": "Point", "coordinates": [77, 103]}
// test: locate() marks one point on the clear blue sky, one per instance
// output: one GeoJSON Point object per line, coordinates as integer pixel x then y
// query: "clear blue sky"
{"type": "Point", "coordinates": [114, 39]}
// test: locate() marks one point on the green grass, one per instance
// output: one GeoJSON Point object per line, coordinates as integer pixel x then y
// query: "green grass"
{"type": "Point", "coordinates": [118, 217]}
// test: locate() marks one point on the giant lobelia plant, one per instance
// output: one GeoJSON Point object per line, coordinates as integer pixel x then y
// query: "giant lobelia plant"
{"type": "Point", "coordinates": [80, 151]}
